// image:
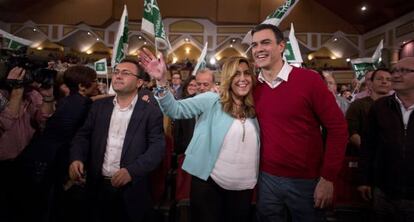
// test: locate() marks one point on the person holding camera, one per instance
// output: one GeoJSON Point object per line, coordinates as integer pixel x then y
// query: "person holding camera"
{"type": "Point", "coordinates": [24, 109]}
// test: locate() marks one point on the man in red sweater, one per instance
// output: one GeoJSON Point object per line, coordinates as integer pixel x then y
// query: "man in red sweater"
{"type": "Point", "coordinates": [297, 170]}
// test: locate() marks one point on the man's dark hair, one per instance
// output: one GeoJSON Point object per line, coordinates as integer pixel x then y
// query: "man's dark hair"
{"type": "Point", "coordinates": [141, 73]}
{"type": "Point", "coordinates": [78, 74]}
{"type": "Point", "coordinates": [276, 31]}
{"type": "Point", "coordinates": [377, 70]}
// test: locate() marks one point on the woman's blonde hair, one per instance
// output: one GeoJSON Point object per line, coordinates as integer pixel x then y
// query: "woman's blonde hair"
{"type": "Point", "coordinates": [227, 75]}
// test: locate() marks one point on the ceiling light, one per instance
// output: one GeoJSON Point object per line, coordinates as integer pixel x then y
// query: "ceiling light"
{"type": "Point", "coordinates": [89, 52]}
{"type": "Point", "coordinates": [97, 39]}
{"type": "Point", "coordinates": [39, 48]}
{"type": "Point", "coordinates": [139, 37]}
{"type": "Point", "coordinates": [89, 33]}
{"type": "Point", "coordinates": [145, 43]}
{"type": "Point", "coordinates": [363, 8]}
{"type": "Point", "coordinates": [34, 30]}
{"type": "Point", "coordinates": [233, 40]}
{"type": "Point", "coordinates": [335, 39]}
{"type": "Point", "coordinates": [231, 45]}
{"type": "Point", "coordinates": [187, 39]}
{"type": "Point", "coordinates": [348, 60]}
{"type": "Point", "coordinates": [213, 61]}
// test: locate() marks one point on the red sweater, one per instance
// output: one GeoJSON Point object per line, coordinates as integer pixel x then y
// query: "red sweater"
{"type": "Point", "coordinates": [290, 117]}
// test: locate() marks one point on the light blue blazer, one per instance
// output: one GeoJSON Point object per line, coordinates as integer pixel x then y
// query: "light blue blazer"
{"type": "Point", "coordinates": [210, 129]}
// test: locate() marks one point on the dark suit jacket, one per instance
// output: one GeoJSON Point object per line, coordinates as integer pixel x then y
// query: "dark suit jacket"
{"type": "Point", "coordinates": [142, 150]}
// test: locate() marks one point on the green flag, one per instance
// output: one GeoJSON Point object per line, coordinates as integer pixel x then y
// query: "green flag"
{"type": "Point", "coordinates": [9, 41]}
{"type": "Point", "coordinates": [101, 66]}
{"type": "Point", "coordinates": [201, 62]}
{"type": "Point", "coordinates": [275, 17]}
{"type": "Point", "coordinates": [292, 51]}
{"type": "Point", "coordinates": [362, 65]}
{"type": "Point", "coordinates": [121, 41]}
{"type": "Point", "coordinates": [153, 26]}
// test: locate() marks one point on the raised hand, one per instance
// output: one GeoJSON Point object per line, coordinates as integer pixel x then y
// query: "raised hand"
{"type": "Point", "coordinates": [152, 65]}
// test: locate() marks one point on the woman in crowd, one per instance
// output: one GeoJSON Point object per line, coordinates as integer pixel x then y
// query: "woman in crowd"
{"type": "Point", "coordinates": [223, 155]}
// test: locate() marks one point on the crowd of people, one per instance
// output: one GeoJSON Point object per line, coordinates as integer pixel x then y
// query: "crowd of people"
{"type": "Point", "coordinates": [270, 134]}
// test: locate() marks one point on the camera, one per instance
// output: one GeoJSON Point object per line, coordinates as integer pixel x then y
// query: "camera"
{"type": "Point", "coordinates": [36, 71]}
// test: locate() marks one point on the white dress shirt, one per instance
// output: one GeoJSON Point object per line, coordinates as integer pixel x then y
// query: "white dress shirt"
{"type": "Point", "coordinates": [117, 129]}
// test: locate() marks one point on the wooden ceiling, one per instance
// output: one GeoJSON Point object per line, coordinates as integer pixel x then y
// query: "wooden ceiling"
{"type": "Point", "coordinates": [244, 12]}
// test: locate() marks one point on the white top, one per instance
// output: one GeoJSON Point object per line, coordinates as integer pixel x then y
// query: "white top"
{"type": "Point", "coordinates": [283, 75]}
{"type": "Point", "coordinates": [237, 165]}
{"type": "Point", "coordinates": [405, 112]}
{"type": "Point", "coordinates": [117, 129]}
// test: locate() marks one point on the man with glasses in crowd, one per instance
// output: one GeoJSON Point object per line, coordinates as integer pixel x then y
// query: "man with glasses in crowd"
{"type": "Point", "coordinates": [121, 142]}
{"type": "Point", "coordinates": [387, 153]}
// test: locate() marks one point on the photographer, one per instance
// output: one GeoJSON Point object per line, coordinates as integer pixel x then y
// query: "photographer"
{"type": "Point", "coordinates": [24, 108]}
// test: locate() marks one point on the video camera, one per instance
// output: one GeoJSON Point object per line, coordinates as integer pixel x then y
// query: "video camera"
{"type": "Point", "coordinates": [36, 71]}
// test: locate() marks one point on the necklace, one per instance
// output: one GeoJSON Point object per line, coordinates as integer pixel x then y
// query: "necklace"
{"type": "Point", "coordinates": [243, 121]}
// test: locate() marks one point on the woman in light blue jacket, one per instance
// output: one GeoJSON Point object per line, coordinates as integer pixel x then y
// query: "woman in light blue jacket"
{"type": "Point", "coordinates": [223, 155]}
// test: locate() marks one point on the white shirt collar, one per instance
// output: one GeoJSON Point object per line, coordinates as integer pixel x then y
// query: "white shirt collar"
{"type": "Point", "coordinates": [283, 75]}
{"type": "Point", "coordinates": [129, 107]}
{"type": "Point", "coordinates": [402, 105]}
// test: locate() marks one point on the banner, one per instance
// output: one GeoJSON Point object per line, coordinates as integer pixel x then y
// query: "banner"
{"type": "Point", "coordinates": [121, 41]}
{"type": "Point", "coordinates": [101, 67]}
{"type": "Point", "coordinates": [292, 51]}
{"type": "Point", "coordinates": [362, 65]}
{"type": "Point", "coordinates": [201, 62]}
{"type": "Point", "coordinates": [153, 26]}
{"type": "Point", "coordinates": [9, 41]}
{"type": "Point", "coordinates": [274, 18]}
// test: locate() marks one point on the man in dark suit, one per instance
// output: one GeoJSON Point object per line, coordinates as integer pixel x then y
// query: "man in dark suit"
{"type": "Point", "coordinates": [121, 142]}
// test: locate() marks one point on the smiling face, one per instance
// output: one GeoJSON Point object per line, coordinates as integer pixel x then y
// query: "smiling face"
{"type": "Point", "coordinates": [267, 53]}
{"type": "Point", "coordinates": [241, 83]}
{"type": "Point", "coordinates": [192, 87]}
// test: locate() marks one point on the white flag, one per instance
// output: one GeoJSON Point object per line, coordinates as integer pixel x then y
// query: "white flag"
{"type": "Point", "coordinates": [274, 18]}
{"type": "Point", "coordinates": [292, 51]}
{"type": "Point", "coordinates": [362, 65]}
{"type": "Point", "coordinates": [153, 26]}
{"type": "Point", "coordinates": [201, 62]}
{"type": "Point", "coordinates": [121, 42]}
{"type": "Point", "coordinates": [13, 42]}
{"type": "Point", "coordinates": [101, 67]}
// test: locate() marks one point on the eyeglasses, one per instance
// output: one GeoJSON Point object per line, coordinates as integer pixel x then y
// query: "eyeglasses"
{"type": "Point", "coordinates": [402, 71]}
{"type": "Point", "coordinates": [123, 73]}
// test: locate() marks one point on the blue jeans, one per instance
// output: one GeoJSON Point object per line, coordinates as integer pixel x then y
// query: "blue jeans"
{"type": "Point", "coordinates": [387, 209]}
{"type": "Point", "coordinates": [279, 197]}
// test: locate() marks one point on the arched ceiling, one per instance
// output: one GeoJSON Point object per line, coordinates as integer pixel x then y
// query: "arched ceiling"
{"type": "Point", "coordinates": [246, 12]}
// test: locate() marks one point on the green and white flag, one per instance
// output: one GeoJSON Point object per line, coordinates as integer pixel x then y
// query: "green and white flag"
{"type": "Point", "coordinates": [9, 41]}
{"type": "Point", "coordinates": [121, 41]}
{"type": "Point", "coordinates": [201, 62]}
{"type": "Point", "coordinates": [362, 65]}
{"type": "Point", "coordinates": [101, 67]}
{"type": "Point", "coordinates": [275, 17]}
{"type": "Point", "coordinates": [153, 26]}
{"type": "Point", "coordinates": [292, 51]}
